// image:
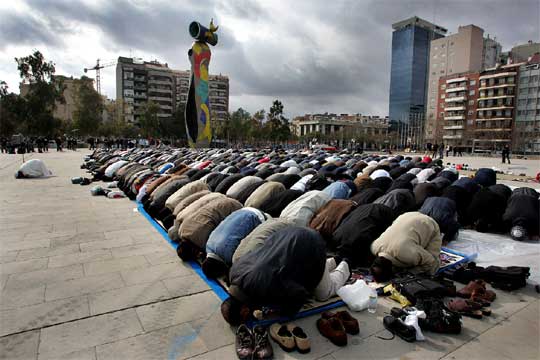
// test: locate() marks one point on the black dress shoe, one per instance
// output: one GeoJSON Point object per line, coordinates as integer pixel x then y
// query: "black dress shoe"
{"type": "Point", "coordinates": [399, 328]}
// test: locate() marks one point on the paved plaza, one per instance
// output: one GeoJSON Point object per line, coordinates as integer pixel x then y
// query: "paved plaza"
{"type": "Point", "coordinates": [85, 277]}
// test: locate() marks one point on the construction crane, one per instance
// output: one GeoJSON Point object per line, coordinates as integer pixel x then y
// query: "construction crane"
{"type": "Point", "coordinates": [97, 68]}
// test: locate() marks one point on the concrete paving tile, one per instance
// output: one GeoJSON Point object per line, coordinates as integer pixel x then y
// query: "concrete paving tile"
{"type": "Point", "coordinates": [155, 273]}
{"type": "Point", "coordinates": [163, 257]}
{"type": "Point", "coordinates": [510, 339]}
{"type": "Point", "coordinates": [78, 238]}
{"type": "Point", "coordinates": [82, 286]}
{"type": "Point", "coordinates": [26, 244]}
{"type": "Point", "coordinates": [23, 266]}
{"type": "Point", "coordinates": [47, 252]}
{"type": "Point", "coordinates": [9, 256]}
{"type": "Point", "coordinates": [177, 311]}
{"type": "Point", "coordinates": [113, 265]}
{"type": "Point", "coordinates": [127, 297]}
{"type": "Point", "coordinates": [133, 250]}
{"type": "Point", "coordinates": [79, 258]}
{"type": "Point", "coordinates": [106, 244]}
{"type": "Point", "coordinates": [214, 331]}
{"type": "Point", "coordinates": [15, 298]}
{"type": "Point", "coordinates": [22, 346]}
{"type": "Point", "coordinates": [77, 335]}
{"type": "Point", "coordinates": [185, 285]}
{"type": "Point", "coordinates": [46, 276]}
{"type": "Point", "coordinates": [177, 342]}
{"type": "Point", "coordinates": [225, 352]}
{"type": "Point", "coordinates": [44, 314]}
{"type": "Point", "coordinates": [85, 354]}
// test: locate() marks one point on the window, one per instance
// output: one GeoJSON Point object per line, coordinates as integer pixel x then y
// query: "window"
{"type": "Point", "coordinates": [451, 43]}
{"type": "Point", "coordinates": [442, 46]}
{"type": "Point", "coordinates": [442, 71]}
{"type": "Point", "coordinates": [472, 82]}
{"type": "Point", "coordinates": [530, 101]}
{"type": "Point", "coordinates": [472, 92]}
{"type": "Point", "coordinates": [522, 91]}
{"type": "Point", "coordinates": [470, 122]}
{"type": "Point", "coordinates": [523, 79]}
{"type": "Point", "coordinates": [508, 113]}
{"type": "Point", "coordinates": [532, 90]}
{"type": "Point", "coordinates": [470, 112]}
{"type": "Point", "coordinates": [471, 102]}
{"type": "Point", "coordinates": [533, 78]}
{"type": "Point", "coordinates": [442, 96]}
{"type": "Point", "coordinates": [522, 102]}
{"type": "Point", "coordinates": [442, 114]}
{"type": "Point", "coordinates": [443, 86]}
{"type": "Point", "coordinates": [433, 73]}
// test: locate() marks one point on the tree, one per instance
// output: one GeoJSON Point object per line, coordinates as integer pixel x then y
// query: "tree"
{"type": "Point", "coordinates": [278, 124]}
{"type": "Point", "coordinates": [149, 122]}
{"type": "Point", "coordinates": [88, 114]}
{"type": "Point", "coordinates": [239, 126]}
{"type": "Point", "coordinates": [44, 90]}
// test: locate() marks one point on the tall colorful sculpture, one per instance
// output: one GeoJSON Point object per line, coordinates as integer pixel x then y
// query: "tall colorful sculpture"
{"type": "Point", "coordinates": [197, 115]}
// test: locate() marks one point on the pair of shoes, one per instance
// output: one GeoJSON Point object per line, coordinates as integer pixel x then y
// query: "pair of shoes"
{"type": "Point", "coordinates": [477, 292]}
{"type": "Point", "coordinates": [397, 327]}
{"type": "Point", "coordinates": [290, 337]}
{"type": "Point", "coordinates": [467, 308]}
{"type": "Point", "coordinates": [336, 326]}
{"type": "Point", "coordinates": [253, 344]}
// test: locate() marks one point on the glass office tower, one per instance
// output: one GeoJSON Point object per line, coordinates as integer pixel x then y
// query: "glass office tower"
{"type": "Point", "coordinates": [409, 74]}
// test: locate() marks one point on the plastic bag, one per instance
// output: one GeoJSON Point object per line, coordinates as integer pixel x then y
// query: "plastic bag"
{"type": "Point", "coordinates": [356, 295]}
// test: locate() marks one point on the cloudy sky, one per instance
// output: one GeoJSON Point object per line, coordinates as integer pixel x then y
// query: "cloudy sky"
{"type": "Point", "coordinates": [314, 55]}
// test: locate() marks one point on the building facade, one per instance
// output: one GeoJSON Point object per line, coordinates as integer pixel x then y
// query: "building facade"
{"type": "Point", "coordinates": [522, 53]}
{"type": "Point", "coordinates": [63, 110]}
{"type": "Point", "coordinates": [138, 82]}
{"type": "Point", "coordinates": [526, 137]}
{"type": "Point", "coordinates": [463, 52]}
{"type": "Point", "coordinates": [496, 108]}
{"type": "Point", "coordinates": [410, 57]}
{"type": "Point", "coordinates": [456, 109]}
{"type": "Point", "coordinates": [348, 126]}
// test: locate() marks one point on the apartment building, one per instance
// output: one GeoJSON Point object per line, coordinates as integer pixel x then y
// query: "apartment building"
{"type": "Point", "coordinates": [526, 137]}
{"type": "Point", "coordinates": [138, 82]}
{"type": "Point", "coordinates": [63, 110]}
{"type": "Point", "coordinates": [495, 110]}
{"type": "Point", "coordinates": [462, 52]}
{"type": "Point", "coordinates": [456, 109]}
{"type": "Point", "coordinates": [409, 70]}
{"type": "Point", "coordinates": [218, 94]}
{"type": "Point", "coordinates": [522, 53]}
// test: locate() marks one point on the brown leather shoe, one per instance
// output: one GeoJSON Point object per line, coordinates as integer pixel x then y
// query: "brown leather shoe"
{"type": "Point", "coordinates": [333, 330]}
{"type": "Point", "coordinates": [282, 336]}
{"type": "Point", "coordinates": [263, 348]}
{"type": "Point", "coordinates": [466, 292]}
{"type": "Point", "coordinates": [244, 343]}
{"type": "Point", "coordinates": [349, 323]}
{"type": "Point", "coordinates": [301, 340]}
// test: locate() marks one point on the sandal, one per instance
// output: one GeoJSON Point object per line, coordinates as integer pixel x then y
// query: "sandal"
{"type": "Point", "coordinates": [466, 308]}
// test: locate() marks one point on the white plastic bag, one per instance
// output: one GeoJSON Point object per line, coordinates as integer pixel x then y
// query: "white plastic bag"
{"type": "Point", "coordinates": [356, 295]}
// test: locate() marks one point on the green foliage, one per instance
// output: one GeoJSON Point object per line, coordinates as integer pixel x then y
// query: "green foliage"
{"type": "Point", "coordinates": [88, 114]}
{"type": "Point", "coordinates": [149, 122]}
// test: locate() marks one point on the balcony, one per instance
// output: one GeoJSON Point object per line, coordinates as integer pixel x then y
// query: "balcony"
{"type": "Point", "coordinates": [493, 129]}
{"type": "Point", "coordinates": [159, 82]}
{"type": "Point", "coordinates": [159, 98]}
{"type": "Point", "coordinates": [496, 86]}
{"type": "Point", "coordinates": [497, 107]}
{"type": "Point", "coordinates": [139, 78]}
{"type": "Point", "coordinates": [140, 96]}
{"type": "Point", "coordinates": [153, 89]}
{"type": "Point", "coordinates": [454, 127]}
{"type": "Point", "coordinates": [454, 108]}
{"type": "Point", "coordinates": [455, 89]}
{"type": "Point", "coordinates": [455, 99]}
{"type": "Point", "coordinates": [455, 117]}
{"type": "Point", "coordinates": [140, 87]}
{"type": "Point", "coordinates": [490, 97]}
{"type": "Point", "coordinates": [450, 137]}
{"type": "Point", "coordinates": [494, 118]}
{"type": "Point", "coordinates": [460, 79]}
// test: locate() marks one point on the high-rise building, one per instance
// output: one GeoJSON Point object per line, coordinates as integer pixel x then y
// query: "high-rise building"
{"type": "Point", "coordinates": [526, 136]}
{"type": "Point", "coordinates": [456, 109]}
{"type": "Point", "coordinates": [409, 73]}
{"type": "Point", "coordinates": [496, 105]}
{"type": "Point", "coordinates": [463, 52]}
{"type": "Point", "coordinates": [523, 52]}
{"type": "Point", "coordinates": [218, 93]}
{"type": "Point", "coordinates": [138, 82]}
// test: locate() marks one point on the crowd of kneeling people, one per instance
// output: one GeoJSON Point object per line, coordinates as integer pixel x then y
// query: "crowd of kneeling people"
{"type": "Point", "coordinates": [267, 220]}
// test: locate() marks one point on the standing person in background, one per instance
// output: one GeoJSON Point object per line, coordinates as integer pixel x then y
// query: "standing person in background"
{"type": "Point", "coordinates": [448, 149]}
{"type": "Point", "coordinates": [441, 151]}
{"type": "Point", "coordinates": [435, 150]}
{"type": "Point", "coordinates": [58, 143]}
{"type": "Point", "coordinates": [506, 154]}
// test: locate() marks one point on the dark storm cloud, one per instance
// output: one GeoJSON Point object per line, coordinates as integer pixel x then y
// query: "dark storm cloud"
{"type": "Point", "coordinates": [17, 28]}
{"type": "Point", "coordinates": [310, 54]}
